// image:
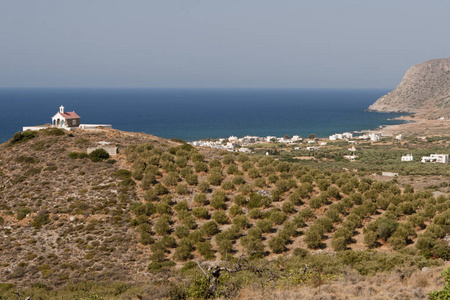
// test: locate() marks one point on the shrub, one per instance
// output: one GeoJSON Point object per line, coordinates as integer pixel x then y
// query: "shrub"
{"type": "Point", "coordinates": [161, 189]}
{"type": "Point", "coordinates": [200, 212]}
{"type": "Point", "coordinates": [277, 244]}
{"type": "Point", "coordinates": [288, 207]}
{"type": "Point", "coordinates": [253, 245]}
{"type": "Point", "coordinates": [98, 155]}
{"type": "Point", "coordinates": [22, 136]}
{"type": "Point", "coordinates": [241, 221]}
{"type": "Point", "coordinates": [40, 220]}
{"type": "Point", "coordinates": [313, 239]}
{"type": "Point", "coordinates": [240, 200]}
{"type": "Point", "coordinates": [339, 243]}
{"type": "Point", "coordinates": [445, 292]}
{"type": "Point", "coordinates": [200, 167]}
{"type": "Point", "coordinates": [227, 185]}
{"type": "Point", "coordinates": [203, 186]}
{"type": "Point", "coordinates": [184, 249]}
{"type": "Point", "coordinates": [265, 225]}
{"type": "Point", "coordinates": [205, 249]}
{"type": "Point", "coordinates": [255, 213]}
{"type": "Point", "coordinates": [22, 213]}
{"type": "Point", "coordinates": [200, 198]}
{"type": "Point", "coordinates": [385, 227]}
{"type": "Point", "coordinates": [210, 228]}
{"type": "Point", "coordinates": [300, 252]}
{"type": "Point", "coordinates": [238, 180]}
{"type": "Point", "coordinates": [277, 217]}
{"type": "Point", "coordinates": [181, 206]}
{"type": "Point", "coordinates": [370, 239]}
{"type": "Point", "coordinates": [163, 208]}
{"type": "Point", "coordinates": [220, 217]}
{"type": "Point", "coordinates": [181, 232]}
{"type": "Point", "coordinates": [225, 247]}
{"type": "Point", "coordinates": [171, 179]}
{"type": "Point", "coordinates": [168, 241]}
{"type": "Point", "coordinates": [191, 179]}
{"type": "Point", "coordinates": [145, 232]}
{"type": "Point", "coordinates": [235, 210]}
{"type": "Point", "coordinates": [162, 226]}
{"type": "Point", "coordinates": [182, 189]}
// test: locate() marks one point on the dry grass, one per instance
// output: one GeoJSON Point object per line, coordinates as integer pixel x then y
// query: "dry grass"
{"type": "Point", "coordinates": [399, 284]}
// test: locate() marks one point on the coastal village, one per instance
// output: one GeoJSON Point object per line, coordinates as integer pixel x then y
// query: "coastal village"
{"type": "Point", "coordinates": [246, 143]}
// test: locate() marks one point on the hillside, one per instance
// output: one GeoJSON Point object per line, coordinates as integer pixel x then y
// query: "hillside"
{"type": "Point", "coordinates": [425, 88]}
{"type": "Point", "coordinates": [148, 213]}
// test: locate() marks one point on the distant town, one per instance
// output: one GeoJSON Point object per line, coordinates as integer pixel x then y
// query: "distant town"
{"type": "Point", "coordinates": [235, 144]}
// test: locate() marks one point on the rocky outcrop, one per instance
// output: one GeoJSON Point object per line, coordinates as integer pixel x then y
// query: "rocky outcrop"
{"type": "Point", "coordinates": [425, 88]}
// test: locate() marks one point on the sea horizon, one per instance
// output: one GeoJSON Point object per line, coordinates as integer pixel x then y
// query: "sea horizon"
{"type": "Point", "coordinates": [199, 113]}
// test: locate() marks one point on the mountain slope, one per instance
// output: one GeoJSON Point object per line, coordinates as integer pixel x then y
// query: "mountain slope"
{"type": "Point", "coordinates": [425, 88]}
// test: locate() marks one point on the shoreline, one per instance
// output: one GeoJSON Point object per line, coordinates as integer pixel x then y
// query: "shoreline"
{"type": "Point", "coordinates": [416, 125]}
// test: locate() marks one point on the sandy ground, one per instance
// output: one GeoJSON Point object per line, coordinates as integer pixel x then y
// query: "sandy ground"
{"type": "Point", "coordinates": [417, 126]}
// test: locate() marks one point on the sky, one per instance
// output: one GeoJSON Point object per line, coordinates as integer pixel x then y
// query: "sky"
{"type": "Point", "coordinates": [218, 43]}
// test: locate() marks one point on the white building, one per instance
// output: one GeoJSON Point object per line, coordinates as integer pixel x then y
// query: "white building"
{"type": "Point", "coordinates": [65, 120]}
{"type": "Point", "coordinates": [407, 157]}
{"type": "Point", "coordinates": [244, 150]}
{"type": "Point", "coordinates": [399, 137]}
{"type": "Point", "coordinates": [232, 138]}
{"type": "Point", "coordinates": [347, 135]}
{"type": "Point", "coordinates": [296, 138]}
{"type": "Point", "coordinates": [374, 137]}
{"type": "Point", "coordinates": [323, 143]}
{"type": "Point", "coordinates": [436, 158]}
{"type": "Point", "coordinates": [269, 138]}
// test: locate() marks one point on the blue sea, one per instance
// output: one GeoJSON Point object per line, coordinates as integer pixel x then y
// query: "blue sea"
{"type": "Point", "coordinates": [192, 114]}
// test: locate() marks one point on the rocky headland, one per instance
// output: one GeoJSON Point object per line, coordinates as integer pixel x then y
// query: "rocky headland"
{"type": "Point", "coordinates": [425, 90]}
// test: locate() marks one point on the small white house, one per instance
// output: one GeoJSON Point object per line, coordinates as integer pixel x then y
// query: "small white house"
{"type": "Point", "coordinates": [407, 157]}
{"type": "Point", "coordinates": [296, 138]}
{"type": "Point", "coordinates": [436, 158]}
{"type": "Point", "coordinates": [269, 138]}
{"type": "Point", "coordinates": [244, 150]}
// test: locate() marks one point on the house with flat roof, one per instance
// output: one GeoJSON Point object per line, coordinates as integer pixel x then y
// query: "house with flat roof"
{"type": "Point", "coordinates": [436, 158]}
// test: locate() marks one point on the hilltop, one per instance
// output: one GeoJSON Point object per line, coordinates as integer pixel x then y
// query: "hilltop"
{"type": "Point", "coordinates": [424, 89]}
{"type": "Point", "coordinates": [142, 219]}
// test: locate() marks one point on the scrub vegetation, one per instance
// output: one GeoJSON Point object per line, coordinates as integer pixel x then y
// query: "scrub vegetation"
{"type": "Point", "coordinates": [185, 222]}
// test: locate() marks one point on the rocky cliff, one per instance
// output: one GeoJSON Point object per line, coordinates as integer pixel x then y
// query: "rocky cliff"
{"type": "Point", "coordinates": [425, 88]}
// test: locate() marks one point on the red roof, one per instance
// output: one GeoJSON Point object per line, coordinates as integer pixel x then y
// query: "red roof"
{"type": "Point", "coordinates": [70, 115]}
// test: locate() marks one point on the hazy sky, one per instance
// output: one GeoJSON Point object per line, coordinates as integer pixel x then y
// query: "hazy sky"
{"type": "Point", "coordinates": [227, 43]}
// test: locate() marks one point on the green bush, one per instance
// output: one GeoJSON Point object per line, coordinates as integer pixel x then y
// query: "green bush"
{"type": "Point", "coordinates": [240, 200]}
{"type": "Point", "coordinates": [443, 294]}
{"type": "Point", "coordinates": [98, 155]}
{"type": "Point", "coordinates": [203, 187]}
{"type": "Point", "coordinates": [288, 207]}
{"type": "Point", "coordinates": [22, 136]}
{"type": "Point", "coordinates": [200, 212]}
{"type": "Point", "coordinates": [235, 210]}
{"type": "Point", "coordinates": [200, 198]}
{"type": "Point", "coordinates": [277, 244]}
{"type": "Point", "coordinates": [220, 217]}
{"type": "Point", "coordinates": [182, 189]}
{"type": "Point", "coordinates": [266, 226]}
{"type": "Point", "coordinates": [205, 249]}
{"type": "Point", "coordinates": [277, 217]}
{"type": "Point", "coordinates": [241, 221]}
{"type": "Point", "coordinates": [40, 220]}
{"type": "Point", "coordinates": [210, 228]}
